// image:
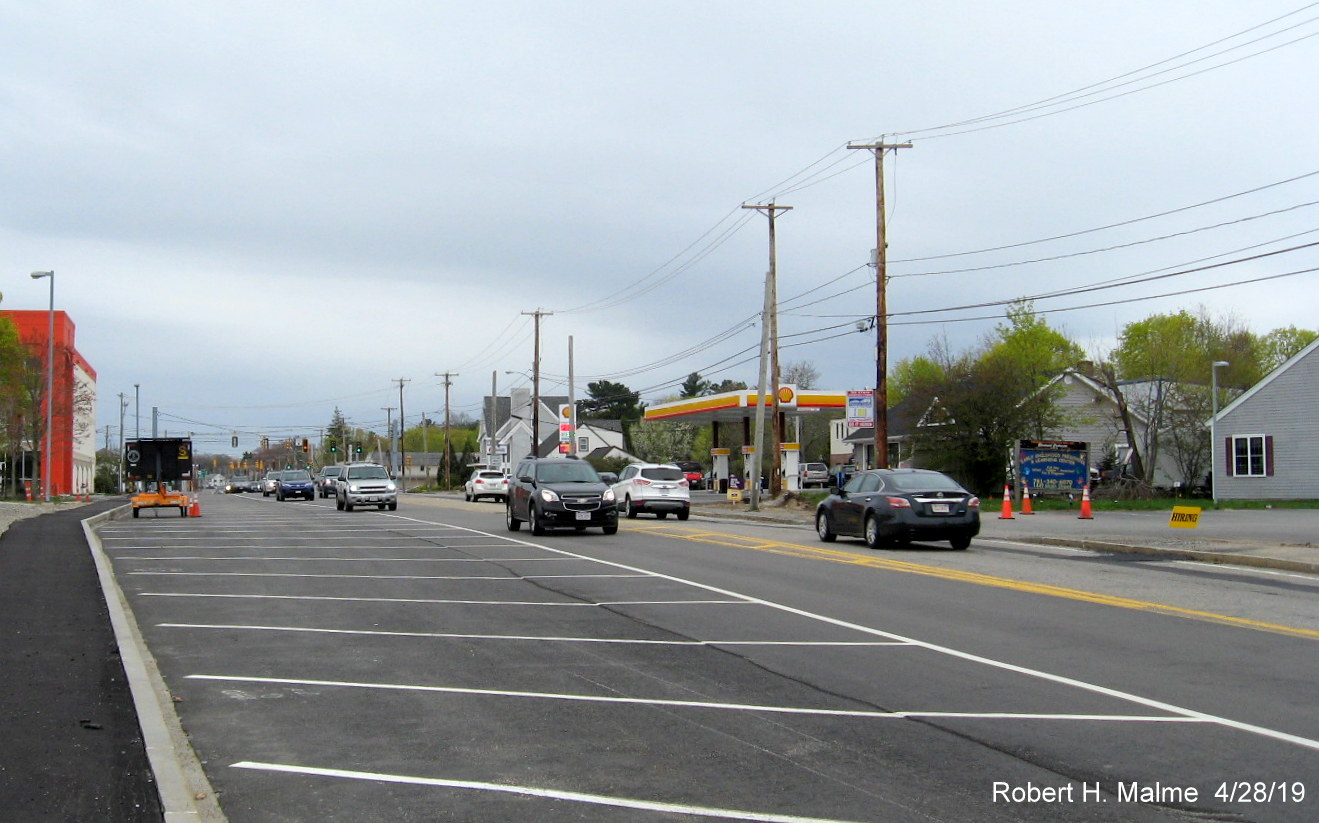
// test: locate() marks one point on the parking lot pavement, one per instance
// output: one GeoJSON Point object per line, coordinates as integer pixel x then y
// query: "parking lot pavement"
{"type": "Point", "coordinates": [1276, 538]}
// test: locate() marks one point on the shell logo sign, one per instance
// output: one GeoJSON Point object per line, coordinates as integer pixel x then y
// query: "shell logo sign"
{"type": "Point", "coordinates": [787, 395]}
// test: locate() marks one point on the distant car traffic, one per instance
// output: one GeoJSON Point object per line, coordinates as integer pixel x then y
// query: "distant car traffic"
{"type": "Point", "coordinates": [365, 484]}
{"type": "Point", "coordinates": [693, 471]}
{"type": "Point", "coordinates": [294, 483]}
{"type": "Point", "coordinates": [660, 489]}
{"type": "Point", "coordinates": [889, 507]}
{"type": "Point", "coordinates": [325, 479]}
{"type": "Point", "coordinates": [491, 483]}
{"type": "Point", "coordinates": [556, 491]}
{"type": "Point", "coordinates": [814, 474]}
{"type": "Point", "coordinates": [268, 483]}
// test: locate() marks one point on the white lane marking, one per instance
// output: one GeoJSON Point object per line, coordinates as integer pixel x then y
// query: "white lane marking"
{"type": "Point", "coordinates": [454, 602]}
{"type": "Point", "coordinates": [695, 704]}
{"type": "Point", "coordinates": [502, 579]}
{"type": "Point", "coordinates": [531, 791]}
{"type": "Point", "coordinates": [1094, 688]}
{"type": "Point", "coordinates": [268, 559]}
{"type": "Point", "coordinates": [355, 546]}
{"type": "Point", "coordinates": [532, 638]}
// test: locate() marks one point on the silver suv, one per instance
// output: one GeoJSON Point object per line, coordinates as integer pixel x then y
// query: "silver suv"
{"type": "Point", "coordinates": [364, 484]}
{"type": "Point", "coordinates": [656, 488]}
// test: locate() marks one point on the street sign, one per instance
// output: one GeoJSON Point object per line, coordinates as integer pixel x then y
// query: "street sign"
{"type": "Point", "coordinates": [1185, 517]}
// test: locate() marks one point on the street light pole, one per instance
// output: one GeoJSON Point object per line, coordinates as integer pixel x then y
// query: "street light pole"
{"type": "Point", "coordinates": [46, 466]}
{"type": "Point", "coordinates": [1213, 428]}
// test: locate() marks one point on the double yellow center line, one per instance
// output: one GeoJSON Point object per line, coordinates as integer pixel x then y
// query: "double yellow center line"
{"type": "Point", "coordinates": [824, 553]}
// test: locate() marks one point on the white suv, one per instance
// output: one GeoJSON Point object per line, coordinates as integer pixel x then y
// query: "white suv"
{"type": "Point", "coordinates": [658, 488]}
{"type": "Point", "coordinates": [364, 484]}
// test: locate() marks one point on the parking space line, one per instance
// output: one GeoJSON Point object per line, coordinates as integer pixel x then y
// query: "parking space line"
{"type": "Point", "coordinates": [575, 603]}
{"type": "Point", "coordinates": [501, 578]}
{"type": "Point", "coordinates": [531, 791]}
{"type": "Point", "coordinates": [698, 704]}
{"type": "Point", "coordinates": [534, 638]}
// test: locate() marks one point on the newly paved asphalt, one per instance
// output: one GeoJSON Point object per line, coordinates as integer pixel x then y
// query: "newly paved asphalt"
{"type": "Point", "coordinates": [72, 748]}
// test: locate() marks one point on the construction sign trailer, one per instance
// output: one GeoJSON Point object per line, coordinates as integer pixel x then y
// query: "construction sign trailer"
{"type": "Point", "coordinates": [157, 462]}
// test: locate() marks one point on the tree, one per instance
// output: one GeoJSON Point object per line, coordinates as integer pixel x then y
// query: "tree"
{"type": "Point", "coordinates": [610, 401]}
{"type": "Point", "coordinates": [694, 386]}
{"type": "Point", "coordinates": [909, 373]}
{"type": "Point", "coordinates": [660, 441]}
{"type": "Point", "coordinates": [1278, 346]}
{"type": "Point", "coordinates": [727, 386]}
{"type": "Point", "coordinates": [803, 375]}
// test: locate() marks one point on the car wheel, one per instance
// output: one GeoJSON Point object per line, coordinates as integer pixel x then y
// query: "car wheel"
{"type": "Point", "coordinates": [509, 520]}
{"type": "Point", "coordinates": [338, 504]}
{"type": "Point", "coordinates": [393, 506]}
{"type": "Point", "coordinates": [613, 529]}
{"type": "Point", "coordinates": [467, 497]}
{"type": "Point", "coordinates": [537, 522]}
{"type": "Point", "coordinates": [629, 509]}
{"type": "Point", "coordinates": [347, 506]}
{"type": "Point", "coordinates": [873, 539]}
{"type": "Point", "coordinates": [183, 511]}
{"type": "Point", "coordinates": [823, 529]}
{"type": "Point", "coordinates": [960, 543]}
{"type": "Point", "coordinates": [136, 511]}
{"type": "Point", "coordinates": [684, 514]}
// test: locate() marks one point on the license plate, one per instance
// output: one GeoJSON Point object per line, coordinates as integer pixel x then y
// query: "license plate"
{"type": "Point", "coordinates": [583, 515]}
{"type": "Point", "coordinates": [939, 508]}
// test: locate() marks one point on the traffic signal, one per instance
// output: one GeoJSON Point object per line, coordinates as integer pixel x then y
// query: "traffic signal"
{"type": "Point", "coordinates": [333, 448]}
{"type": "Point", "coordinates": [357, 448]}
{"type": "Point", "coordinates": [265, 442]}
{"type": "Point", "coordinates": [306, 446]}
{"type": "Point", "coordinates": [233, 441]}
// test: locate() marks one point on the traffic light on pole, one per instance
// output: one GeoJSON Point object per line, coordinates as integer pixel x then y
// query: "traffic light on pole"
{"type": "Point", "coordinates": [233, 441]}
{"type": "Point", "coordinates": [306, 446]}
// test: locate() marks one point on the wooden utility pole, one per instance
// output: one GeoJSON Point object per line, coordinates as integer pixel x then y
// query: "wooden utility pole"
{"type": "Point", "coordinates": [402, 450]}
{"type": "Point", "coordinates": [880, 398]}
{"type": "Point", "coordinates": [535, 385]}
{"type": "Point", "coordinates": [447, 383]}
{"type": "Point", "coordinates": [772, 327]}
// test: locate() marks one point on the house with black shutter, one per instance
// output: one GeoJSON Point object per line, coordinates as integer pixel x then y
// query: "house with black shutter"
{"type": "Point", "coordinates": [1266, 442]}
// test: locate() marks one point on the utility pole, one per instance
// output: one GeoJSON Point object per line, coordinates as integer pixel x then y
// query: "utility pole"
{"type": "Point", "coordinates": [535, 385]}
{"type": "Point", "coordinates": [572, 404]}
{"type": "Point", "coordinates": [389, 433]}
{"type": "Point", "coordinates": [758, 434]}
{"type": "Point", "coordinates": [772, 327]}
{"type": "Point", "coordinates": [881, 301]}
{"type": "Point", "coordinates": [123, 406]}
{"type": "Point", "coordinates": [402, 460]}
{"type": "Point", "coordinates": [492, 456]}
{"type": "Point", "coordinates": [447, 383]}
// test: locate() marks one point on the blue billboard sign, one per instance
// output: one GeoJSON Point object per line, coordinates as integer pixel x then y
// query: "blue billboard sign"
{"type": "Point", "coordinates": [1057, 466]}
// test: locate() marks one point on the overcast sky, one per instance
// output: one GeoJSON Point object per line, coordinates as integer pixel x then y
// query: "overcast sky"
{"type": "Point", "coordinates": [258, 211]}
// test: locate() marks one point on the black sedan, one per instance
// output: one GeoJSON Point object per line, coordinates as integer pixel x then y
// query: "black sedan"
{"type": "Point", "coordinates": [896, 506]}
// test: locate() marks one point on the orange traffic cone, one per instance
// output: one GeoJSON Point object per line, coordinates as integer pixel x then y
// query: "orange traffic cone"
{"type": "Point", "coordinates": [195, 510]}
{"type": "Point", "coordinates": [1085, 514]}
{"type": "Point", "coordinates": [1025, 499]}
{"type": "Point", "coordinates": [1007, 504]}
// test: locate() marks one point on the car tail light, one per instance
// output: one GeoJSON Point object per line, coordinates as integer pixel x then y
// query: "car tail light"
{"type": "Point", "coordinates": [899, 503]}
{"type": "Point", "coordinates": [973, 502]}
{"type": "Point", "coordinates": [683, 482]}
{"type": "Point", "coordinates": [641, 481]}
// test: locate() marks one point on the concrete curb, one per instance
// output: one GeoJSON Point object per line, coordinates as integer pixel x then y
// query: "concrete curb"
{"type": "Point", "coordinates": [185, 793]}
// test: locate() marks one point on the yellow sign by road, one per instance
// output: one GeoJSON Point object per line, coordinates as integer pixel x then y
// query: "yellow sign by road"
{"type": "Point", "coordinates": [1185, 517]}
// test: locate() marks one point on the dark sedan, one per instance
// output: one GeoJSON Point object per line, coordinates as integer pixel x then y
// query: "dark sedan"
{"type": "Point", "coordinates": [889, 507]}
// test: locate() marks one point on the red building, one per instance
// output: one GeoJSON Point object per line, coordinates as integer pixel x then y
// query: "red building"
{"type": "Point", "coordinates": [73, 438]}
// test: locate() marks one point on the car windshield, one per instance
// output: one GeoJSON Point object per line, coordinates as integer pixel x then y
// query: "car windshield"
{"type": "Point", "coordinates": [367, 473]}
{"type": "Point", "coordinates": [662, 474]}
{"type": "Point", "coordinates": [923, 482]}
{"type": "Point", "coordinates": [297, 475]}
{"type": "Point", "coordinates": [567, 472]}
{"type": "Point", "coordinates": [331, 471]}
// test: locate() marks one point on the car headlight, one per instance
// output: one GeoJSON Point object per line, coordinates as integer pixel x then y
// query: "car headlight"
{"type": "Point", "coordinates": [390, 486]}
{"type": "Point", "coordinates": [608, 496]}
{"type": "Point", "coordinates": [549, 496]}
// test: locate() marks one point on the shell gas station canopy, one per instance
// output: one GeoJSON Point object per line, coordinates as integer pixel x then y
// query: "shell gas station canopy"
{"type": "Point", "coordinates": [739, 406]}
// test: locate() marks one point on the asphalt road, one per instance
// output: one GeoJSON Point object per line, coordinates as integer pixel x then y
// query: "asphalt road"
{"type": "Point", "coordinates": [428, 665]}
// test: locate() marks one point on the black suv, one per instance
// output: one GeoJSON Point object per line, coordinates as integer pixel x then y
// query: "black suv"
{"type": "Point", "coordinates": [559, 492]}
